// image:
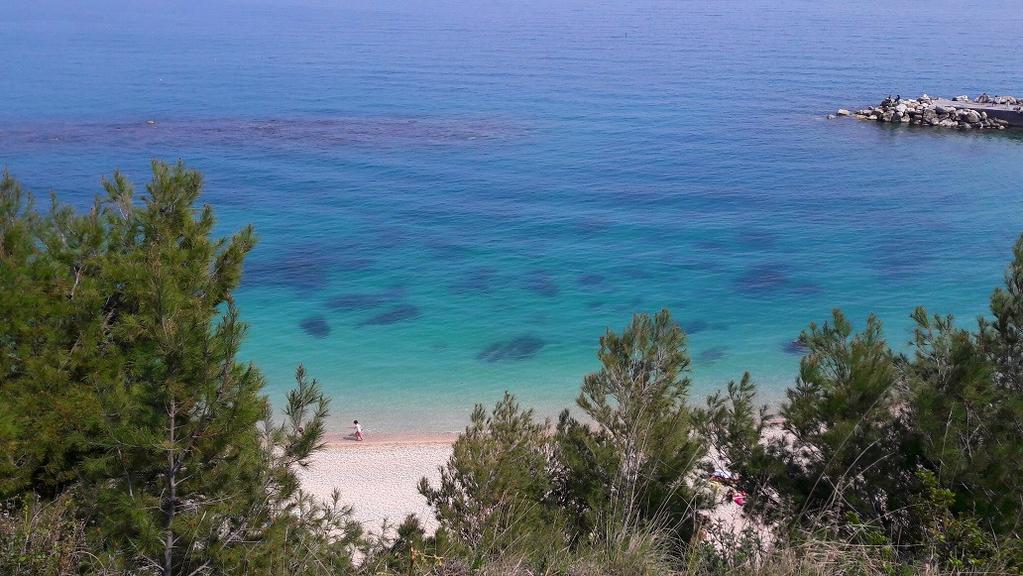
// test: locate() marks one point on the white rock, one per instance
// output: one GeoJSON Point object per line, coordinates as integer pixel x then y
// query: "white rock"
{"type": "Point", "coordinates": [842, 112]}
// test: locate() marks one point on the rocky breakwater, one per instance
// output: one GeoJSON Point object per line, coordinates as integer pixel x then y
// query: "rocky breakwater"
{"type": "Point", "coordinates": [984, 113]}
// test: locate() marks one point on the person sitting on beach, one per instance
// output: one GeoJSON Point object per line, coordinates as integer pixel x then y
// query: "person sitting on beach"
{"type": "Point", "coordinates": [358, 430]}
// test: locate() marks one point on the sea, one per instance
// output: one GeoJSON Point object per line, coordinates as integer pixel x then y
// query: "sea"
{"type": "Point", "coordinates": [457, 198]}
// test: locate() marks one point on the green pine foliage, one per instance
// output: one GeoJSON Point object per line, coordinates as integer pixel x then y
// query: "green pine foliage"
{"type": "Point", "coordinates": [629, 463]}
{"type": "Point", "coordinates": [1001, 337]}
{"type": "Point", "coordinates": [603, 491]}
{"type": "Point", "coordinates": [967, 409]}
{"type": "Point", "coordinates": [922, 453]}
{"type": "Point", "coordinates": [842, 429]}
{"type": "Point", "coordinates": [53, 357]}
{"type": "Point", "coordinates": [737, 429]}
{"type": "Point", "coordinates": [494, 495]}
{"type": "Point", "coordinates": [121, 384]}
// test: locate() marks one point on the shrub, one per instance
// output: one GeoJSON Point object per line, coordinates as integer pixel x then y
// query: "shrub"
{"type": "Point", "coordinates": [494, 493]}
{"type": "Point", "coordinates": [38, 538]}
{"type": "Point", "coordinates": [630, 464]}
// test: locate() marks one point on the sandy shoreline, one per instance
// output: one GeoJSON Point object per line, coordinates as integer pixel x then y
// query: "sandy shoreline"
{"type": "Point", "coordinates": [379, 476]}
{"type": "Point", "coordinates": [346, 440]}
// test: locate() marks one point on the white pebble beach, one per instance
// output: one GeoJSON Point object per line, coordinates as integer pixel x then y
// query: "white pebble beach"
{"type": "Point", "coordinates": [379, 477]}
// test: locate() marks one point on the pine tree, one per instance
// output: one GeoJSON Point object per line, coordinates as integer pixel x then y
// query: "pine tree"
{"type": "Point", "coordinates": [737, 429]}
{"type": "Point", "coordinates": [493, 491]}
{"type": "Point", "coordinates": [54, 321]}
{"type": "Point", "coordinates": [119, 380]}
{"type": "Point", "coordinates": [1002, 336]}
{"type": "Point", "coordinates": [632, 466]}
{"type": "Point", "coordinates": [967, 407]}
{"type": "Point", "coordinates": [843, 431]}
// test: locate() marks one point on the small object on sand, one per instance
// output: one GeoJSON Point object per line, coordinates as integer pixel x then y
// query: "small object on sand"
{"type": "Point", "coordinates": [739, 497]}
{"type": "Point", "coordinates": [722, 477]}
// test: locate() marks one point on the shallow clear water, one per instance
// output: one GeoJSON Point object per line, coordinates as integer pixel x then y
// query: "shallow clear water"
{"type": "Point", "coordinates": [456, 199]}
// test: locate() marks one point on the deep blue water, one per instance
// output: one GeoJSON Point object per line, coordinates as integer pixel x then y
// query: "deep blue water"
{"type": "Point", "coordinates": [456, 198]}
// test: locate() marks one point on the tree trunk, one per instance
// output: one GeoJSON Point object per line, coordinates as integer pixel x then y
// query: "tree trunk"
{"type": "Point", "coordinates": [170, 500]}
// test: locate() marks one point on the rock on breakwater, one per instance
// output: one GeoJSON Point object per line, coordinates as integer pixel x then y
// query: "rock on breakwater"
{"type": "Point", "coordinates": [984, 113]}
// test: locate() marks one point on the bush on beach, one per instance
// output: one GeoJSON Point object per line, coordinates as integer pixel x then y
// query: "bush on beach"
{"type": "Point", "coordinates": [494, 496]}
{"type": "Point", "coordinates": [630, 464]}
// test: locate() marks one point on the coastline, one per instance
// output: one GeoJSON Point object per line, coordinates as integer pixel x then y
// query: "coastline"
{"type": "Point", "coordinates": [379, 478]}
{"type": "Point", "coordinates": [339, 440]}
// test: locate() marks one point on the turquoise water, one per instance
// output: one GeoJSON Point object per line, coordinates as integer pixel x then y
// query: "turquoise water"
{"type": "Point", "coordinates": [456, 198]}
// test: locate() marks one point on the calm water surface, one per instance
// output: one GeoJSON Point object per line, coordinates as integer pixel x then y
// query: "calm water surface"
{"type": "Point", "coordinates": [456, 198]}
